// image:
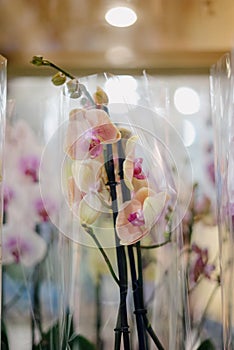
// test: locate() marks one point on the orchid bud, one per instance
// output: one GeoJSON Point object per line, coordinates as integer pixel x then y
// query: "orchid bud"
{"type": "Point", "coordinates": [58, 79]}
{"type": "Point", "coordinates": [37, 60]}
{"type": "Point", "coordinates": [125, 133]}
{"type": "Point", "coordinates": [100, 97]}
{"type": "Point", "coordinates": [73, 89]}
{"type": "Point", "coordinates": [89, 209]}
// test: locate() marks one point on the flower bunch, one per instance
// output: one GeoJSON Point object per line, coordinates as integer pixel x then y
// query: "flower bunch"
{"type": "Point", "coordinates": [109, 179]}
{"type": "Point", "coordinates": [89, 131]}
{"type": "Point", "coordinates": [107, 175]}
{"type": "Point", "coordinates": [28, 236]}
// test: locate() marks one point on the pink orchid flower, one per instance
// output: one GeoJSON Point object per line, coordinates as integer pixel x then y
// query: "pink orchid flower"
{"type": "Point", "coordinates": [87, 131]}
{"type": "Point", "coordinates": [137, 216]}
{"type": "Point", "coordinates": [134, 176]}
{"type": "Point", "coordinates": [22, 245]}
{"type": "Point", "coordinates": [201, 265]}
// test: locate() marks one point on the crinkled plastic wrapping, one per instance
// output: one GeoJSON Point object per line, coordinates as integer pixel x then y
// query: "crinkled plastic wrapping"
{"type": "Point", "coordinates": [89, 291]}
{"type": "Point", "coordinates": [31, 271]}
{"type": "Point", "coordinates": [3, 96]}
{"type": "Point", "coordinates": [222, 98]}
{"type": "Point", "coordinates": [183, 330]}
{"type": "Point", "coordinates": [65, 290]}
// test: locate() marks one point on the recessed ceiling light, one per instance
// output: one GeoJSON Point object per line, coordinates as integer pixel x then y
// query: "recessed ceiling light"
{"type": "Point", "coordinates": [121, 16]}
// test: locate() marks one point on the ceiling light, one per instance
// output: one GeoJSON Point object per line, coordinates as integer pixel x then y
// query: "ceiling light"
{"type": "Point", "coordinates": [121, 17]}
{"type": "Point", "coordinates": [186, 100]}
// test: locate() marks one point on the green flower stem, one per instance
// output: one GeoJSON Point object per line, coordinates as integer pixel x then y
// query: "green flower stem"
{"type": "Point", "coordinates": [156, 245]}
{"type": "Point", "coordinates": [120, 251]}
{"type": "Point", "coordinates": [102, 251]}
{"type": "Point", "coordinates": [40, 61]}
{"type": "Point", "coordinates": [52, 65]}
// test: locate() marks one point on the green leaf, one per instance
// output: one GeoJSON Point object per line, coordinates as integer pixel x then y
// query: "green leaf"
{"type": "Point", "coordinates": [206, 345]}
{"type": "Point", "coordinates": [81, 343]}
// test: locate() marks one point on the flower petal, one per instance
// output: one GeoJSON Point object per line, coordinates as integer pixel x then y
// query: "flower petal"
{"type": "Point", "coordinates": [84, 122]}
{"type": "Point", "coordinates": [128, 166]}
{"type": "Point", "coordinates": [86, 174]}
{"type": "Point", "coordinates": [130, 147]}
{"type": "Point", "coordinates": [142, 194]}
{"type": "Point", "coordinates": [153, 206]}
{"type": "Point", "coordinates": [101, 123]}
{"type": "Point", "coordinates": [128, 173]}
{"type": "Point", "coordinates": [74, 194]}
{"type": "Point", "coordinates": [77, 126]}
{"type": "Point", "coordinates": [89, 209]}
{"type": "Point", "coordinates": [128, 233]}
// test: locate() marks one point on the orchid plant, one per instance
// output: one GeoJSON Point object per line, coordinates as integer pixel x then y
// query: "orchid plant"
{"type": "Point", "coordinates": [27, 240]}
{"type": "Point", "coordinates": [108, 180]}
{"type": "Point", "coordinates": [107, 176]}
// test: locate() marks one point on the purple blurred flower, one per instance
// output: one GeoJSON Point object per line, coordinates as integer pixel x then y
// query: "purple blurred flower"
{"type": "Point", "coordinates": [45, 208]}
{"type": "Point", "coordinates": [8, 195]}
{"type": "Point", "coordinates": [29, 166]}
{"type": "Point", "coordinates": [200, 266]}
{"type": "Point", "coordinates": [211, 171]}
{"type": "Point", "coordinates": [22, 245]}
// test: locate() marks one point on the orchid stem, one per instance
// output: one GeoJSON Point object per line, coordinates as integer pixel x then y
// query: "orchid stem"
{"type": "Point", "coordinates": [156, 245]}
{"type": "Point", "coordinates": [52, 65]}
{"type": "Point", "coordinates": [40, 61]}
{"type": "Point", "coordinates": [102, 251]}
